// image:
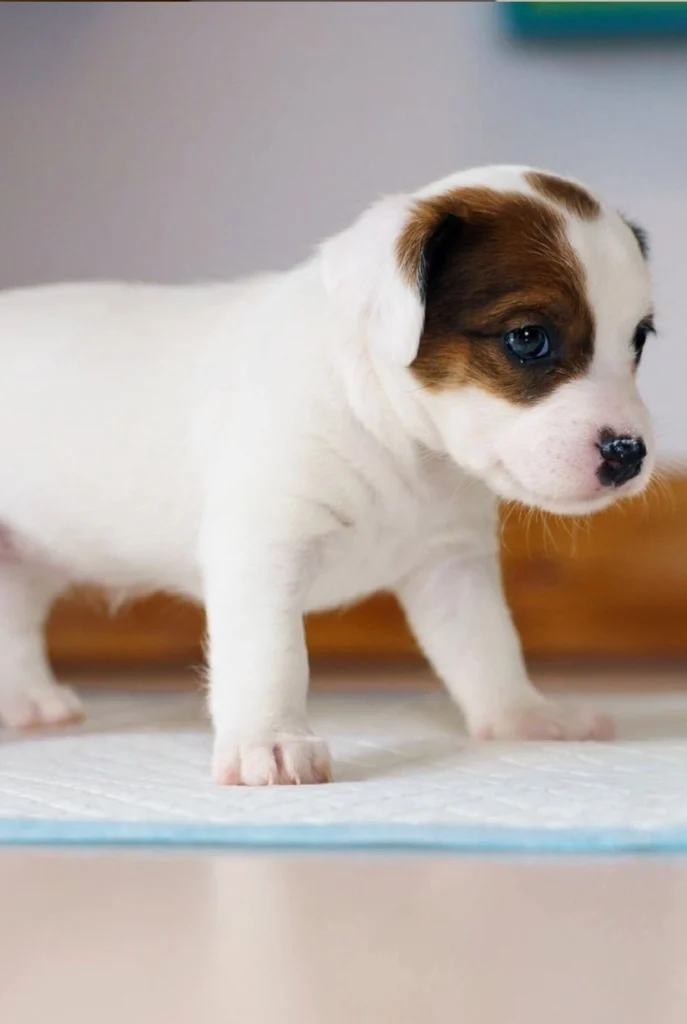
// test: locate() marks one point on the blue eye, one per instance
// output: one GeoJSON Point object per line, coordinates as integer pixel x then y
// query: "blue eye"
{"type": "Point", "coordinates": [528, 343]}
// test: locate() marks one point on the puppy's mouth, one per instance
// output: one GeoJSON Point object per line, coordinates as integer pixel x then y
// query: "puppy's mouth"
{"type": "Point", "coordinates": [507, 486]}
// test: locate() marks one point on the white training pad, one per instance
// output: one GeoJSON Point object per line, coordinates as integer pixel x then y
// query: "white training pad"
{"type": "Point", "coordinates": [398, 761]}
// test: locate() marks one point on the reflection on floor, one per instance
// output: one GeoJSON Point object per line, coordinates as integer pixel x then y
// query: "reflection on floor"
{"type": "Point", "coordinates": [147, 938]}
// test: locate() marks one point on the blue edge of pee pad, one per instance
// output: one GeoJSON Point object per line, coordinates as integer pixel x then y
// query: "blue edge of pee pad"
{"type": "Point", "coordinates": [372, 838]}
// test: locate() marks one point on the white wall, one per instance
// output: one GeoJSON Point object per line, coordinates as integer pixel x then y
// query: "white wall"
{"type": "Point", "coordinates": [182, 141]}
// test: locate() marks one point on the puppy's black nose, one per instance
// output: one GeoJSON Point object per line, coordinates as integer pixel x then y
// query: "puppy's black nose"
{"type": "Point", "coordinates": [622, 458]}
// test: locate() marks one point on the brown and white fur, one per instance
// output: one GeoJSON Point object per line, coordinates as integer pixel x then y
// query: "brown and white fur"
{"type": "Point", "coordinates": [296, 441]}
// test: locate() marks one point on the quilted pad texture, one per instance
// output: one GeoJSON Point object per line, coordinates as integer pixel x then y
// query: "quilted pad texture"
{"type": "Point", "coordinates": [405, 774]}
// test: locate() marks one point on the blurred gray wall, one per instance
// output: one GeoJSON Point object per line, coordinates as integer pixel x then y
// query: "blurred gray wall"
{"type": "Point", "coordinates": [186, 141]}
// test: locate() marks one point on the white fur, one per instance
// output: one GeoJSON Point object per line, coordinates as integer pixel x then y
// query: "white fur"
{"type": "Point", "coordinates": [263, 448]}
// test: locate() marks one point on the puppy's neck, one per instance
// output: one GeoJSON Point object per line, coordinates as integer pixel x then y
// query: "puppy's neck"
{"type": "Point", "coordinates": [384, 399]}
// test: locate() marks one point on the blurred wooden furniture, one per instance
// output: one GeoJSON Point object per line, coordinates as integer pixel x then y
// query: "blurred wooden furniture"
{"type": "Point", "coordinates": [611, 587]}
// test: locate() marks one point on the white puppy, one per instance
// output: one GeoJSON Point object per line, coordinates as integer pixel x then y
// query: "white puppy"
{"type": "Point", "coordinates": [297, 441]}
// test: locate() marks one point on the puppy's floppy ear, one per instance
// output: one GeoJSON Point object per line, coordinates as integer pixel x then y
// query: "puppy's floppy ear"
{"type": "Point", "coordinates": [377, 270]}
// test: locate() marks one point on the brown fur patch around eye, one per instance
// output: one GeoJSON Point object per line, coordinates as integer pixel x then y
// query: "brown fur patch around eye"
{"type": "Point", "coordinates": [568, 194]}
{"type": "Point", "coordinates": [488, 262]}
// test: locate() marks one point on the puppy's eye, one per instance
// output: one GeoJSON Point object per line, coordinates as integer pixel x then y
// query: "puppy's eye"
{"type": "Point", "coordinates": [528, 344]}
{"type": "Point", "coordinates": [642, 332]}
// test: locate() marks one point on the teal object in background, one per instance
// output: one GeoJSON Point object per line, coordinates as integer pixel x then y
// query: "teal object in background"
{"type": "Point", "coordinates": [597, 20]}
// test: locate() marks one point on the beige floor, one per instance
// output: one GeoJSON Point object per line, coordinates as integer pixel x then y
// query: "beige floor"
{"type": "Point", "coordinates": [128, 938]}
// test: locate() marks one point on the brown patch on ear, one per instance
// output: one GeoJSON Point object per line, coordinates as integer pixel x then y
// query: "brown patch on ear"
{"type": "Point", "coordinates": [413, 249]}
{"type": "Point", "coordinates": [487, 263]}
{"type": "Point", "coordinates": [568, 194]}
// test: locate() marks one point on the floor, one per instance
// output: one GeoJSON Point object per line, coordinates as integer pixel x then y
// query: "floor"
{"type": "Point", "coordinates": [202, 938]}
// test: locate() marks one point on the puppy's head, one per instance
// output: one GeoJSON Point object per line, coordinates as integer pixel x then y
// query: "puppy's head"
{"type": "Point", "coordinates": [520, 305]}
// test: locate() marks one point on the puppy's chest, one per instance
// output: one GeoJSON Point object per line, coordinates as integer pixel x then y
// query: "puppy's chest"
{"type": "Point", "coordinates": [389, 515]}
{"type": "Point", "coordinates": [361, 558]}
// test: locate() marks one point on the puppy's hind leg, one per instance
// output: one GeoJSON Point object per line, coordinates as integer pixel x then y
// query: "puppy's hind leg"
{"type": "Point", "coordinates": [30, 696]}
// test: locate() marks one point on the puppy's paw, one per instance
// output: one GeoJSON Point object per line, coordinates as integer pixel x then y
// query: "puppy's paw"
{"type": "Point", "coordinates": [546, 720]}
{"type": "Point", "coordinates": [38, 705]}
{"type": "Point", "coordinates": [274, 759]}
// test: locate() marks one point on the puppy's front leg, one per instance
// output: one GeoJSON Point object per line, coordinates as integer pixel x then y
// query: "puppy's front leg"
{"type": "Point", "coordinates": [258, 661]}
{"type": "Point", "coordinates": [456, 607]}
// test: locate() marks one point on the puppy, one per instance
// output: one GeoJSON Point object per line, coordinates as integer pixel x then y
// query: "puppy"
{"type": "Point", "coordinates": [297, 441]}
